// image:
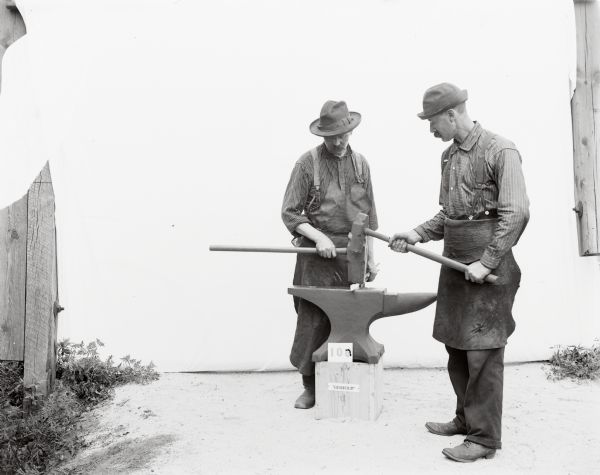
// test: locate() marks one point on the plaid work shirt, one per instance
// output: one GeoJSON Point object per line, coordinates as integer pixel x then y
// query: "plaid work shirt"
{"type": "Point", "coordinates": [504, 192]}
{"type": "Point", "coordinates": [336, 171]}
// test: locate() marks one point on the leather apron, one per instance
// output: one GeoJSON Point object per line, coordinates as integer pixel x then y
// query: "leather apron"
{"type": "Point", "coordinates": [330, 212]}
{"type": "Point", "coordinates": [471, 316]}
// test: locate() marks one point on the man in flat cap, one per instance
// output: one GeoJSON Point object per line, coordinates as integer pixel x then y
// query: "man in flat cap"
{"type": "Point", "coordinates": [329, 186]}
{"type": "Point", "coordinates": [484, 210]}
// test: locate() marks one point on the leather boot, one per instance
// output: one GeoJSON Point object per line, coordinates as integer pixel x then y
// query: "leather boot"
{"type": "Point", "coordinates": [306, 400]}
{"type": "Point", "coordinates": [444, 428]}
{"type": "Point", "coordinates": [469, 452]}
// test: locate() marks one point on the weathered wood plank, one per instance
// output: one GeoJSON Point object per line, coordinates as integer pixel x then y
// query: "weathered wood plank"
{"type": "Point", "coordinates": [13, 250]}
{"type": "Point", "coordinates": [52, 337]}
{"type": "Point", "coordinates": [40, 328]}
{"type": "Point", "coordinates": [585, 107]}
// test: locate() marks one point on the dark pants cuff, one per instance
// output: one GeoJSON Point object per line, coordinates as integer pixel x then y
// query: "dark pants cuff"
{"type": "Point", "coordinates": [492, 444]}
{"type": "Point", "coordinates": [459, 424]}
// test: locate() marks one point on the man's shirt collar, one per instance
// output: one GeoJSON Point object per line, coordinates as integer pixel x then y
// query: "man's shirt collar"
{"type": "Point", "coordinates": [471, 139]}
{"type": "Point", "coordinates": [326, 153]}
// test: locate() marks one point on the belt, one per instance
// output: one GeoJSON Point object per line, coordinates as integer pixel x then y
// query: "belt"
{"type": "Point", "coordinates": [487, 214]}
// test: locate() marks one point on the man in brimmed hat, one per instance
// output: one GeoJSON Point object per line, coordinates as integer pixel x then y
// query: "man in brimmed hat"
{"type": "Point", "coordinates": [484, 211]}
{"type": "Point", "coordinates": [329, 186]}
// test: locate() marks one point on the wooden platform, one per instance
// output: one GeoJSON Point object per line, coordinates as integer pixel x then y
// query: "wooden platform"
{"type": "Point", "coordinates": [349, 390]}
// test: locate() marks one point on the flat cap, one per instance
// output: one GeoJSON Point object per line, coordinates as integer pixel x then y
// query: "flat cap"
{"type": "Point", "coordinates": [441, 97]}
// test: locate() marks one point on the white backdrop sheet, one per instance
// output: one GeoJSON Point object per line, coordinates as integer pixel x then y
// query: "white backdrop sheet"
{"type": "Point", "coordinates": [172, 124]}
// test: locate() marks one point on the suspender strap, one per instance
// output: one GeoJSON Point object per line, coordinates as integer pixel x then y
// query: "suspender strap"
{"type": "Point", "coordinates": [479, 174]}
{"type": "Point", "coordinates": [316, 178]}
{"type": "Point", "coordinates": [358, 168]}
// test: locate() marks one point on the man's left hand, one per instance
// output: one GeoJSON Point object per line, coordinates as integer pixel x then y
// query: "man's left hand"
{"type": "Point", "coordinates": [476, 272]}
{"type": "Point", "coordinates": [372, 271]}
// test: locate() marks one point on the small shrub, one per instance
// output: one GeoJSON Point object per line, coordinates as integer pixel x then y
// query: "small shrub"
{"type": "Point", "coordinates": [92, 379]}
{"type": "Point", "coordinates": [575, 362]}
{"type": "Point", "coordinates": [38, 442]}
{"type": "Point", "coordinates": [11, 383]}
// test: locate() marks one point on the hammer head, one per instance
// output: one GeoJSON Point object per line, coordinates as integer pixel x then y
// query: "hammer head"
{"type": "Point", "coordinates": [357, 250]}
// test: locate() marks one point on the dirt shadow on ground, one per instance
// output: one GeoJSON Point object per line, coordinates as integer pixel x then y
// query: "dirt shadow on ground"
{"type": "Point", "coordinates": [122, 457]}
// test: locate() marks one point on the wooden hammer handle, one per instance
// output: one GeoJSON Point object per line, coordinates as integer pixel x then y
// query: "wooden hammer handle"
{"type": "Point", "coordinates": [491, 278]}
{"type": "Point", "coordinates": [292, 250]}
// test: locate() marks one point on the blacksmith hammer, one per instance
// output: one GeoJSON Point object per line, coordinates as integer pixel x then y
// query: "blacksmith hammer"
{"type": "Point", "coordinates": [360, 230]}
{"type": "Point", "coordinates": [356, 252]}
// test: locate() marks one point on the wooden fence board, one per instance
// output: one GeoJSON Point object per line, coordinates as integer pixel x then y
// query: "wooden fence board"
{"type": "Point", "coordinates": [586, 127]}
{"type": "Point", "coordinates": [41, 295]}
{"type": "Point", "coordinates": [13, 250]}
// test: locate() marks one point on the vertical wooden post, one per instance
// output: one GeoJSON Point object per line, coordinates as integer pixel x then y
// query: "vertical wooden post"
{"type": "Point", "coordinates": [41, 286]}
{"type": "Point", "coordinates": [585, 108]}
{"type": "Point", "coordinates": [13, 251]}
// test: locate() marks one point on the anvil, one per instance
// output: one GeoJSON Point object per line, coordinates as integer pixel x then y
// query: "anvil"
{"type": "Point", "coordinates": [351, 313]}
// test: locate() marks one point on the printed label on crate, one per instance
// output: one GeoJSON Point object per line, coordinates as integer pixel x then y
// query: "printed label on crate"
{"type": "Point", "coordinates": [339, 352]}
{"type": "Point", "coordinates": [344, 387]}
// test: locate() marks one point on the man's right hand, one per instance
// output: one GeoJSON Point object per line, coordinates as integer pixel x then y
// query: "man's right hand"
{"type": "Point", "coordinates": [325, 247]}
{"type": "Point", "coordinates": [400, 240]}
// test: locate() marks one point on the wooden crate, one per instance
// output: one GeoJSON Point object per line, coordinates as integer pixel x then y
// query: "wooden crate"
{"type": "Point", "coordinates": [348, 390]}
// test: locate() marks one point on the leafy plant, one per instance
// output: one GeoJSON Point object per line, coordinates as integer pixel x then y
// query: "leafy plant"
{"type": "Point", "coordinates": [37, 442]}
{"type": "Point", "coordinates": [92, 379]}
{"type": "Point", "coordinates": [575, 362]}
{"type": "Point", "coordinates": [11, 383]}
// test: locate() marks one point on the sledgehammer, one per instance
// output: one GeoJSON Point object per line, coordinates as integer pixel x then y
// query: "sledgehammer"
{"type": "Point", "coordinates": [491, 278]}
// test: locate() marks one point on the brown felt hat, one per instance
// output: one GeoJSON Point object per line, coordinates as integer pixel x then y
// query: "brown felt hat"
{"type": "Point", "coordinates": [335, 119]}
{"type": "Point", "coordinates": [441, 97]}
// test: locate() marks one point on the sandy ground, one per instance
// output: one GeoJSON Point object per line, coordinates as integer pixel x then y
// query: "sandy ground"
{"type": "Point", "coordinates": [245, 423]}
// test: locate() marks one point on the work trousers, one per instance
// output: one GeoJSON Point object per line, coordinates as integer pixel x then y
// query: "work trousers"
{"type": "Point", "coordinates": [477, 377]}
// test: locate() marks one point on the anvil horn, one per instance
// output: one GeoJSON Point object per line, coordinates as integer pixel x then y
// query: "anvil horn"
{"type": "Point", "coordinates": [399, 304]}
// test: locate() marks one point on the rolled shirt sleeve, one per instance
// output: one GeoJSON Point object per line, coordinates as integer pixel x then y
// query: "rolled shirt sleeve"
{"type": "Point", "coordinates": [432, 230]}
{"type": "Point", "coordinates": [294, 198]}
{"type": "Point", "coordinates": [513, 207]}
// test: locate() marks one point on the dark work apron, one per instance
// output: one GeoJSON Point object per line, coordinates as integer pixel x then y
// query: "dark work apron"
{"type": "Point", "coordinates": [331, 214]}
{"type": "Point", "coordinates": [471, 316]}
{"type": "Point", "coordinates": [312, 324]}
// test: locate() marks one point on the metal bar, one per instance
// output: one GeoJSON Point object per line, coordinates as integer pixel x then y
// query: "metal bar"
{"type": "Point", "coordinates": [288, 250]}
{"type": "Point", "coordinates": [491, 278]}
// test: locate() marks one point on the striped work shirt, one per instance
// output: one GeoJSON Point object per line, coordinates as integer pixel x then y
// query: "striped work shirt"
{"type": "Point", "coordinates": [504, 191]}
{"type": "Point", "coordinates": [335, 171]}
